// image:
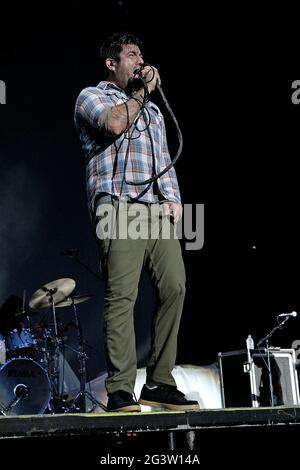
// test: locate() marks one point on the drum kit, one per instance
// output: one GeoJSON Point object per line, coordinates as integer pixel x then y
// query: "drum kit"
{"type": "Point", "coordinates": [31, 378]}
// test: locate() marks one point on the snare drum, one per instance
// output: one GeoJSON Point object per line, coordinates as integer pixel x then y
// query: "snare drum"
{"type": "Point", "coordinates": [20, 343]}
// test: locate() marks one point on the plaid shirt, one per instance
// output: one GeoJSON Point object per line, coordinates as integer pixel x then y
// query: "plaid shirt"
{"type": "Point", "coordinates": [105, 155]}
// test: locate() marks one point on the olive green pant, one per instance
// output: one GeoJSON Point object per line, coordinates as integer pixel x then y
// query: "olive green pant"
{"type": "Point", "coordinates": [122, 260]}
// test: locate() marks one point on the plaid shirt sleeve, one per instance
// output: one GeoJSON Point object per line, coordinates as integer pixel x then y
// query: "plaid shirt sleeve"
{"type": "Point", "coordinates": [91, 103]}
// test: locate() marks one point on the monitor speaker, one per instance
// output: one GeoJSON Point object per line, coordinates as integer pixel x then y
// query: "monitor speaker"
{"type": "Point", "coordinates": [246, 382]}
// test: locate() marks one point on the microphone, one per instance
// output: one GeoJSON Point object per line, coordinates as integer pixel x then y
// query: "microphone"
{"type": "Point", "coordinates": [138, 70]}
{"type": "Point", "coordinates": [71, 253]}
{"type": "Point", "coordinates": [292, 314]}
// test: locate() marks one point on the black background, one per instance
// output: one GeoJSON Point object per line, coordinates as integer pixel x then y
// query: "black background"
{"type": "Point", "coordinates": [240, 128]}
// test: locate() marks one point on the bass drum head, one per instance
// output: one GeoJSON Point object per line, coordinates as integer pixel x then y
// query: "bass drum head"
{"type": "Point", "coordinates": [20, 374]}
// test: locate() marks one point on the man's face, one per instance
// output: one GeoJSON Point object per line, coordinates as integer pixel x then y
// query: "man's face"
{"type": "Point", "coordinates": [130, 59]}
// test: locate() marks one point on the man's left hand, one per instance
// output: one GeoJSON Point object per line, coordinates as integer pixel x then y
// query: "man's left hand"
{"type": "Point", "coordinates": [173, 209]}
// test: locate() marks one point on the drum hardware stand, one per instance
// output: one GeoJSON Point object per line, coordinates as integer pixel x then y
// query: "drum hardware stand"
{"type": "Point", "coordinates": [57, 293]}
{"type": "Point", "coordinates": [2, 408]}
{"type": "Point", "coordinates": [52, 293]}
{"type": "Point", "coordinates": [81, 355]}
{"type": "Point", "coordinates": [21, 391]}
{"type": "Point", "coordinates": [54, 372]}
{"type": "Point", "coordinates": [82, 361]}
{"type": "Point", "coordinates": [95, 402]}
{"type": "Point", "coordinates": [29, 322]}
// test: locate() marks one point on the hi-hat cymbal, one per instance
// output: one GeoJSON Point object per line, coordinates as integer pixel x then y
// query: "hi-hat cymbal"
{"type": "Point", "coordinates": [56, 290]}
{"type": "Point", "coordinates": [75, 299]}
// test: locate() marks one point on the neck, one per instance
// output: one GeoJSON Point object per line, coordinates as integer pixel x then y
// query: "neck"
{"type": "Point", "coordinates": [112, 78]}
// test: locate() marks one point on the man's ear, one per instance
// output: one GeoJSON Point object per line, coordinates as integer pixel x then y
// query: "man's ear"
{"type": "Point", "coordinates": [111, 64]}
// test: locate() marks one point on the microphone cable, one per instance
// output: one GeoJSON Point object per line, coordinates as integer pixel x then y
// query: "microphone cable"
{"type": "Point", "coordinates": [130, 137]}
{"type": "Point", "coordinates": [178, 130]}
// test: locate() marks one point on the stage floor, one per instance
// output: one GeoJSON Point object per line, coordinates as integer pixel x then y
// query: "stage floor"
{"type": "Point", "coordinates": [210, 436]}
{"type": "Point", "coordinates": [35, 426]}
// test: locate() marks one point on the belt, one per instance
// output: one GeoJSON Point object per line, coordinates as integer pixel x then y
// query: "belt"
{"type": "Point", "coordinates": [103, 198]}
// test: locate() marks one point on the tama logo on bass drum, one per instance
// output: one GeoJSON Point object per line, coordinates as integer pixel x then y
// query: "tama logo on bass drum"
{"type": "Point", "coordinates": [21, 373]}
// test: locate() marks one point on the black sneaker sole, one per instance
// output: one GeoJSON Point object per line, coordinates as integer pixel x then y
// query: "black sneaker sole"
{"type": "Point", "coordinates": [130, 408]}
{"type": "Point", "coordinates": [169, 406]}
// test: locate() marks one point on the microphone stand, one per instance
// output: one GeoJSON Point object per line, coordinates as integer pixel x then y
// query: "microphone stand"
{"type": "Point", "coordinates": [266, 341]}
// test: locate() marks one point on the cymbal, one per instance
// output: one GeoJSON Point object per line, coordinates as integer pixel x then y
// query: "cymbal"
{"type": "Point", "coordinates": [75, 299]}
{"type": "Point", "coordinates": [57, 290]}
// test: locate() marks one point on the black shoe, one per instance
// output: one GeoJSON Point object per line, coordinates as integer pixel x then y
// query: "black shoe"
{"type": "Point", "coordinates": [167, 396]}
{"type": "Point", "coordinates": [122, 401]}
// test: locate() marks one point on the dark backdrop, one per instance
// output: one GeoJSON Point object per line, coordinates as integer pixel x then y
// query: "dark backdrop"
{"type": "Point", "coordinates": [239, 160]}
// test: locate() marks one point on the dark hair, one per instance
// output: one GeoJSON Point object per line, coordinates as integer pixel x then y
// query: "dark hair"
{"type": "Point", "coordinates": [113, 45]}
{"type": "Point", "coordinates": [10, 314]}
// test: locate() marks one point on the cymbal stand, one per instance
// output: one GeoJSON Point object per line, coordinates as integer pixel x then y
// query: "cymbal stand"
{"type": "Point", "coordinates": [54, 369]}
{"type": "Point", "coordinates": [80, 397]}
{"type": "Point", "coordinates": [29, 322]}
{"type": "Point", "coordinates": [82, 361]}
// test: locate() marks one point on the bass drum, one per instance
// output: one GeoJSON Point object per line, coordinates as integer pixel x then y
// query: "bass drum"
{"type": "Point", "coordinates": [24, 388]}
